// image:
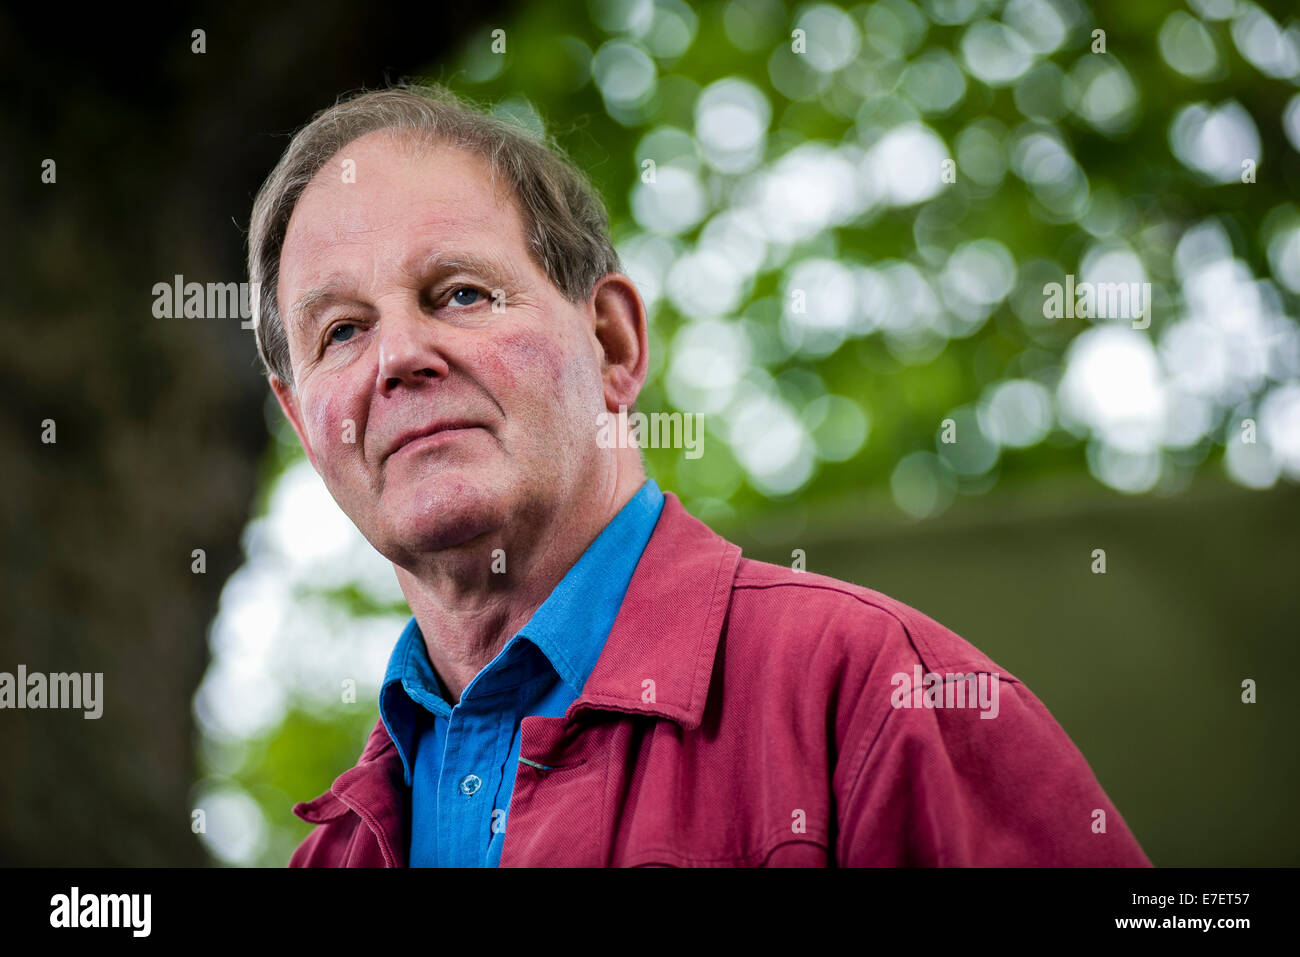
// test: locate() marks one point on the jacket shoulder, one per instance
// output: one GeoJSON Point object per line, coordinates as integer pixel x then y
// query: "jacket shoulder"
{"type": "Point", "coordinates": [811, 607]}
{"type": "Point", "coordinates": [912, 780]}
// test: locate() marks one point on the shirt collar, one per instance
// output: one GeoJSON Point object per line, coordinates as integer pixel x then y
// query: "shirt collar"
{"type": "Point", "coordinates": [572, 624]}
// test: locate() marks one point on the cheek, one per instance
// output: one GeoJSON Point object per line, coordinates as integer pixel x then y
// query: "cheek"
{"type": "Point", "coordinates": [335, 422]}
{"type": "Point", "coordinates": [538, 378]}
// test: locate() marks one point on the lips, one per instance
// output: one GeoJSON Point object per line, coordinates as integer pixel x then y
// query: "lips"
{"type": "Point", "coordinates": [412, 435]}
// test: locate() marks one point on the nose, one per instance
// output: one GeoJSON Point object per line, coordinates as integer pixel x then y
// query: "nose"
{"type": "Point", "coordinates": [408, 352]}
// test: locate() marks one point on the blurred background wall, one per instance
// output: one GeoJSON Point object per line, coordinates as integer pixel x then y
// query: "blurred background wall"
{"type": "Point", "coordinates": [1143, 665]}
{"type": "Point", "coordinates": [843, 220]}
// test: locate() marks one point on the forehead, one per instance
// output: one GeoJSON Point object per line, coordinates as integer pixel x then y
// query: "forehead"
{"type": "Point", "coordinates": [387, 197]}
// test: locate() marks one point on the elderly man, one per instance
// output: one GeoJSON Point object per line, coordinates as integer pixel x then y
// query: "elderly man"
{"type": "Point", "coordinates": [591, 676]}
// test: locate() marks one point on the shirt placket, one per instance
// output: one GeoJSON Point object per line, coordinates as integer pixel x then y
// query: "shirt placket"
{"type": "Point", "coordinates": [470, 786]}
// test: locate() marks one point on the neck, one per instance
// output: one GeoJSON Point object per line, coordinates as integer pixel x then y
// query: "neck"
{"type": "Point", "coordinates": [470, 600]}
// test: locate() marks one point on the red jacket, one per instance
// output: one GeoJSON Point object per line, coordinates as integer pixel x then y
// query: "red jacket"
{"type": "Point", "coordinates": [744, 714]}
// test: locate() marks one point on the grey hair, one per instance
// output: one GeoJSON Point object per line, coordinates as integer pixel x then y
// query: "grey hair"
{"type": "Point", "coordinates": [564, 219]}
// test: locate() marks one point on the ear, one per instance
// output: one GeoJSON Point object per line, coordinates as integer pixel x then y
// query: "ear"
{"type": "Point", "coordinates": [620, 328]}
{"type": "Point", "coordinates": [288, 400]}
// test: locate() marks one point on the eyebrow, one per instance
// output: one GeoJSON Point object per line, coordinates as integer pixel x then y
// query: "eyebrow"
{"type": "Point", "coordinates": [495, 272]}
{"type": "Point", "coordinates": [300, 313]}
{"type": "Point", "coordinates": [442, 263]}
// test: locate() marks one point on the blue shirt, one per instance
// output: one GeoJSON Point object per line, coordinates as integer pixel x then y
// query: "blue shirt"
{"type": "Point", "coordinates": [460, 761]}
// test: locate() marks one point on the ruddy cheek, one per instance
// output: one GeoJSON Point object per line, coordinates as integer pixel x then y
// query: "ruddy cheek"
{"type": "Point", "coordinates": [334, 426]}
{"type": "Point", "coordinates": [516, 364]}
{"type": "Point", "coordinates": [545, 367]}
{"type": "Point", "coordinates": [575, 379]}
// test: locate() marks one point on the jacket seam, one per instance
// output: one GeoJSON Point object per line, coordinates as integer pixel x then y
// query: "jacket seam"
{"type": "Point", "coordinates": [372, 823]}
{"type": "Point", "coordinates": [934, 659]}
{"type": "Point", "coordinates": [771, 844]}
{"type": "Point", "coordinates": [720, 601]}
{"type": "Point", "coordinates": [604, 811]}
{"type": "Point", "coordinates": [862, 754]}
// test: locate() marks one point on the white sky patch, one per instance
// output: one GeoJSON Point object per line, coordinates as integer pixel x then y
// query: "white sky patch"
{"type": "Point", "coordinates": [820, 306]}
{"type": "Point", "coordinates": [833, 37]}
{"type": "Point", "coordinates": [1111, 262]}
{"type": "Point", "coordinates": [736, 235]}
{"type": "Point", "coordinates": [646, 258]}
{"type": "Point", "coordinates": [1112, 388]}
{"type": "Point", "coordinates": [674, 203]}
{"type": "Point", "coordinates": [1124, 469]}
{"type": "Point", "coordinates": [1188, 47]}
{"type": "Point", "coordinates": [1264, 44]}
{"type": "Point", "coordinates": [1105, 96]}
{"type": "Point", "coordinates": [1038, 22]}
{"type": "Point", "coordinates": [624, 74]}
{"type": "Point", "coordinates": [1056, 178]}
{"type": "Point", "coordinates": [234, 829]}
{"type": "Point", "coordinates": [1215, 140]}
{"type": "Point", "coordinates": [995, 53]}
{"type": "Point", "coordinates": [709, 359]}
{"type": "Point", "coordinates": [1284, 256]}
{"type": "Point", "coordinates": [908, 162]}
{"type": "Point", "coordinates": [731, 120]}
{"type": "Point", "coordinates": [1279, 427]}
{"type": "Point", "coordinates": [808, 189]}
{"type": "Point", "coordinates": [977, 276]}
{"type": "Point", "coordinates": [704, 284]}
{"type": "Point", "coordinates": [273, 641]}
{"type": "Point", "coordinates": [769, 441]}
{"type": "Point", "coordinates": [1016, 413]}
{"type": "Point", "coordinates": [1291, 121]}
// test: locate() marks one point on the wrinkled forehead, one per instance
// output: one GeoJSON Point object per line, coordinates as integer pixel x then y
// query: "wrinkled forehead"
{"type": "Point", "coordinates": [391, 178]}
{"type": "Point", "coordinates": [390, 189]}
{"type": "Point", "coordinates": [389, 197]}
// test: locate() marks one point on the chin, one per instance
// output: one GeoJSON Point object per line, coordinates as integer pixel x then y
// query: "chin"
{"type": "Point", "coordinates": [445, 512]}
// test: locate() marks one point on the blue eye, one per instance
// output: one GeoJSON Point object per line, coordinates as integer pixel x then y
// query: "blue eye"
{"type": "Point", "coordinates": [345, 326]}
{"type": "Point", "coordinates": [464, 289]}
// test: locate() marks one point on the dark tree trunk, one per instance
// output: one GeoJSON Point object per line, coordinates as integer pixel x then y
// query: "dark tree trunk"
{"type": "Point", "coordinates": [159, 423]}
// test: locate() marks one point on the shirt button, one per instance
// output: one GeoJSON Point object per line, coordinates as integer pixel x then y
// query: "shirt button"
{"type": "Point", "coordinates": [470, 783]}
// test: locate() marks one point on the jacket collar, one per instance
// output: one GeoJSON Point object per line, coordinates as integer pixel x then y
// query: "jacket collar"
{"type": "Point", "coordinates": [666, 632]}
{"type": "Point", "coordinates": [376, 791]}
{"type": "Point", "coordinates": [668, 627]}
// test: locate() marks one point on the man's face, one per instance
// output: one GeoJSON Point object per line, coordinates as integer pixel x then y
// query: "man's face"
{"type": "Point", "coordinates": [389, 342]}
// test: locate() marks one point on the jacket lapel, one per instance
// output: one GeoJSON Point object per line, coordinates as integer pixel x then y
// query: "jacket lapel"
{"type": "Point", "coordinates": [658, 658]}
{"type": "Point", "coordinates": [376, 790]}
